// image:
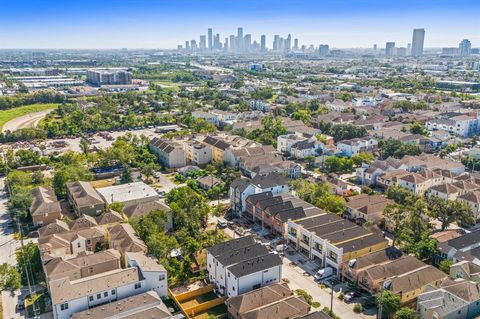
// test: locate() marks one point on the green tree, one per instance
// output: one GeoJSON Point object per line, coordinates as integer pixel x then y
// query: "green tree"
{"type": "Point", "coordinates": [394, 216]}
{"type": "Point", "coordinates": [406, 313]}
{"type": "Point", "coordinates": [9, 277]}
{"type": "Point", "coordinates": [447, 212]}
{"type": "Point", "coordinates": [28, 258]}
{"type": "Point", "coordinates": [126, 176]}
{"type": "Point", "coordinates": [69, 173]}
{"type": "Point", "coordinates": [84, 145]}
{"type": "Point", "coordinates": [363, 157]}
{"type": "Point", "coordinates": [417, 128]}
{"type": "Point", "coordinates": [445, 265]}
{"type": "Point", "coordinates": [389, 302]}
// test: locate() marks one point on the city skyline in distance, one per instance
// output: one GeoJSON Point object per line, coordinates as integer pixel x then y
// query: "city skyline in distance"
{"type": "Point", "coordinates": [158, 25]}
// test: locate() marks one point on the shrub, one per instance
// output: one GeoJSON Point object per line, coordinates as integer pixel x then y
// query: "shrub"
{"type": "Point", "coordinates": [341, 296]}
{"type": "Point", "coordinates": [316, 304]}
{"type": "Point", "coordinates": [357, 308]}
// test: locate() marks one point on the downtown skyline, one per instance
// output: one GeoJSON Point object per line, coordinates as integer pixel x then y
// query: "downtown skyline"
{"type": "Point", "coordinates": [152, 24]}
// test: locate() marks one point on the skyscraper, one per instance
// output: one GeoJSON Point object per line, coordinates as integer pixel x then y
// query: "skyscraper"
{"type": "Point", "coordinates": [240, 45]}
{"type": "Point", "coordinates": [276, 42]}
{"type": "Point", "coordinates": [216, 42]}
{"type": "Point", "coordinates": [247, 42]}
{"type": "Point", "coordinates": [263, 43]}
{"type": "Point", "coordinates": [187, 45]}
{"type": "Point", "coordinates": [225, 45]}
{"type": "Point", "coordinates": [465, 47]}
{"type": "Point", "coordinates": [288, 43]}
{"type": "Point", "coordinates": [232, 43]}
{"type": "Point", "coordinates": [203, 42]}
{"type": "Point", "coordinates": [417, 42]}
{"type": "Point", "coordinates": [390, 49]}
{"type": "Point", "coordinates": [295, 44]}
{"type": "Point", "coordinates": [323, 50]}
{"type": "Point", "coordinates": [210, 33]}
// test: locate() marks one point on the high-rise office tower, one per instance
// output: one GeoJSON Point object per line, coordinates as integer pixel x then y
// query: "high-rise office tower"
{"type": "Point", "coordinates": [401, 52]}
{"type": "Point", "coordinates": [210, 35]}
{"type": "Point", "coordinates": [232, 43]}
{"type": "Point", "coordinates": [323, 50]}
{"type": "Point", "coordinates": [374, 47]}
{"type": "Point", "coordinates": [390, 49]}
{"type": "Point", "coordinates": [295, 44]}
{"type": "Point", "coordinates": [288, 43]}
{"type": "Point", "coordinates": [216, 42]}
{"type": "Point", "coordinates": [240, 45]}
{"type": "Point", "coordinates": [225, 45]}
{"type": "Point", "coordinates": [263, 43]}
{"type": "Point", "coordinates": [203, 42]}
{"type": "Point", "coordinates": [247, 42]}
{"type": "Point", "coordinates": [193, 45]}
{"type": "Point", "coordinates": [465, 48]}
{"type": "Point", "coordinates": [187, 45]}
{"type": "Point", "coordinates": [417, 42]}
{"type": "Point", "coordinates": [276, 42]}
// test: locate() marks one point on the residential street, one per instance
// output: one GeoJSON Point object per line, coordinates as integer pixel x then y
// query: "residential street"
{"type": "Point", "coordinates": [8, 245]}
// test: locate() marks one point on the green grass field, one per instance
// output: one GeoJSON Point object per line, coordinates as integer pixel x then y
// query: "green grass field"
{"type": "Point", "coordinates": [7, 115]}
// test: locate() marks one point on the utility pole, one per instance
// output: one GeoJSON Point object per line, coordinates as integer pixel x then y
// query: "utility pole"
{"type": "Point", "coordinates": [331, 298]}
{"type": "Point", "coordinates": [27, 271]}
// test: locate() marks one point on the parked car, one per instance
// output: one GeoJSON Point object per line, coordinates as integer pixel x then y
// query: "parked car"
{"type": "Point", "coordinates": [222, 223]}
{"type": "Point", "coordinates": [323, 273]}
{"type": "Point", "coordinates": [349, 296]}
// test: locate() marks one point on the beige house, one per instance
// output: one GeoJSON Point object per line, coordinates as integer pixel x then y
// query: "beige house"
{"type": "Point", "coordinates": [82, 266]}
{"type": "Point", "coordinates": [84, 199]}
{"type": "Point", "coordinates": [45, 207]}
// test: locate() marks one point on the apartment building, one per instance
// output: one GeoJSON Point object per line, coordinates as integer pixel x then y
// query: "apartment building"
{"type": "Point", "coordinates": [170, 153]}
{"type": "Point", "coordinates": [197, 153]}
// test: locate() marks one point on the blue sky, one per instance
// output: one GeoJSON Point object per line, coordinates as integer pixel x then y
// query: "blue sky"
{"type": "Point", "coordinates": [164, 24]}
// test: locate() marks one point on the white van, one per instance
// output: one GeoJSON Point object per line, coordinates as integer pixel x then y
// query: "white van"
{"type": "Point", "coordinates": [323, 273]}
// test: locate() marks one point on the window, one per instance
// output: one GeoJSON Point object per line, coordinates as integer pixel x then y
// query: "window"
{"type": "Point", "coordinates": [138, 285]}
{"type": "Point", "coordinates": [89, 241]}
{"type": "Point", "coordinates": [78, 244]}
{"type": "Point", "coordinates": [233, 288]}
{"type": "Point", "coordinates": [113, 292]}
{"type": "Point", "coordinates": [90, 298]}
{"type": "Point", "coordinates": [99, 296]}
{"type": "Point", "coordinates": [105, 294]}
{"type": "Point", "coordinates": [161, 277]}
{"type": "Point", "coordinates": [256, 286]}
{"type": "Point", "coordinates": [64, 306]}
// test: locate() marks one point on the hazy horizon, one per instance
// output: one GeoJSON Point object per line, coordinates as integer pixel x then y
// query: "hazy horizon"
{"type": "Point", "coordinates": [149, 24]}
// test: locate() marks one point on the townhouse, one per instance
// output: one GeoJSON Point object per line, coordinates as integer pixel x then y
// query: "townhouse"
{"type": "Point", "coordinates": [145, 305]}
{"type": "Point", "coordinates": [463, 125]}
{"type": "Point", "coordinates": [332, 241]}
{"type": "Point", "coordinates": [241, 188]}
{"type": "Point", "coordinates": [72, 296]}
{"type": "Point", "coordinates": [472, 198]}
{"type": "Point", "coordinates": [84, 199]}
{"type": "Point", "coordinates": [241, 265]}
{"type": "Point", "coordinates": [366, 208]}
{"type": "Point", "coordinates": [462, 248]}
{"type": "Point", "coordinates": [458, 299]}
{"type": "Point", "coordinates": [273, 301]}
{"type": "Point", "coordinates": [297, 146]}
{"type": "Point", "coordinates": [273, 212]}
{"type": "Point", "coordinates": [169, 152]}
{"type": "Point", "coordinates": [71, 242]}
{"type": "Point", "coordinates": [357, 145]}
{"type": "Point", "coordinates": [45, 207]}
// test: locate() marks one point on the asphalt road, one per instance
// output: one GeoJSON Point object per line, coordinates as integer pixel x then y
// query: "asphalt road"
{"type": "Point", "coordinates": [25, 121]}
